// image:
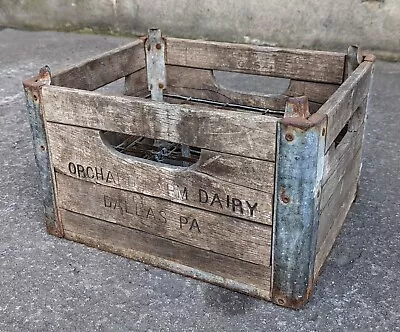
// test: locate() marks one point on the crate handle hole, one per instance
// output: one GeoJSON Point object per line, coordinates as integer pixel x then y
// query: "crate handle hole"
{"type": "Point", "coordinates": [150, 149]}
{"type": "Point", "coordinates": [341, 135]}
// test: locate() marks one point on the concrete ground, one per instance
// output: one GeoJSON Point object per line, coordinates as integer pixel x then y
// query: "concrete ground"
{"type": "Point", "coordinates": [50, 284]}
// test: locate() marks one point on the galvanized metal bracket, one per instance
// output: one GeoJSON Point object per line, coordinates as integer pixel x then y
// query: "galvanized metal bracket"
{"type": "Point", "coordinates": [354, 58]}
{"type": "Point", "coordinates": [297, 107]}
{"type": "Point", "coordinates": [32, 88]}
{"type": "Point", "coordinates": [155, 63]}
{"type": "Point", "coordinates": [157, 74]}
{"type": "Point", "coordinates": [299, 170]}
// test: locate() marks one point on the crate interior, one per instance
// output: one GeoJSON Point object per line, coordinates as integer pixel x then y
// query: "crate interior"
{"type": "Point", "coordinates": [258, 94]}
{"type": "Point", "coordinates": [241, 78]}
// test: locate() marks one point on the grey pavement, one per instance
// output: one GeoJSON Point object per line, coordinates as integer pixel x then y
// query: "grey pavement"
{"type": "Point", "coordinates": [51, 284]}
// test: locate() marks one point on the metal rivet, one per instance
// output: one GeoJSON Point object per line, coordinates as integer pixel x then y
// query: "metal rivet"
{"type": "Point", "coordinates": [285, 199]}
{"type": "Point", "coordinates": [281, 302]}
{"type": "Point", "coordinates": [161, 86]}
{"type": "Point", "coordinates": [158, 46]}
{"type": "Point", "coordinates": [289, 137]}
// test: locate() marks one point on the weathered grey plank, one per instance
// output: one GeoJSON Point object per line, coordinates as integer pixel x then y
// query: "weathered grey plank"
{"type": "Point", "coordinates": [229, 236]}
{"type": "Point", "coordinates": [240, 133]}
{"type": "Point", "coordinates": [201, 83]}
{"type": "Point", "coordinates": [349, 144]}
{"type": "Point", "coordinates": [101, 70]}
{"type": "Point", "coordinates": [136, 84]}
{"type": "Point", "coordinates": [345, 164]}
{"type": "Point", "coordinates": [347, 98]}
{"type": "Point", "coordinates": [250, 173]}
{"type": "Point", "coordinates": [223, 188]}
{"type": "Point", "coordinates": [201, 264]}
{"type": "Point", "coordinates": [334, 213]}
{"type": "Point", "coordinates": [297, 64]}
{"type": "Point", "coordinates": [316, 92]}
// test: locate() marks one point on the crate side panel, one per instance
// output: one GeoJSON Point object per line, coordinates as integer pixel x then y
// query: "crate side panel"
{"type": "Point", "coordinates": [334, 214]}
{"type": "Point", "coordinates": [224, 271]}
{"type": "Point", "coordinates": [241, 133]}
{"type": "Point", "coordinates": [201, 83]}
{"type": "Point", "coordinates": [103, 69]}
{"type": "Point", "coordinates": [349, 143]}
{"type": "Point", "coordinates": [344, 165]}
{"type": "Point", "coordinates": [202, 229]}
{"type": "Point", "coordinates": [215, 183]}
{"type": "Point", "coordinates": [345, 101]}
{"type": "Point", "coordinates": [297, 64]}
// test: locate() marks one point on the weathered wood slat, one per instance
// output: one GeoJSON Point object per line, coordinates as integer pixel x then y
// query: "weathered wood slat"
{"type": "Point", "coordinates": [201, 264]}
{"type": "Point", "coordinates": [297, 64]}
{"type": "Point", "coordinates": [101, 70]}
{"type": "Point", "coordinates": [335, 211]}
{"type": "Point", "coordinates": [347, 98]}
{"type": "Point", "coordinates": [202, 229]}
{"type": "Point", "coordinates": [136, 84]}
{"type": "Point", "coordinates": [222, 188]}
{"type": "Point", "coordinates": [239, 133]}
{"type": "Point", "coordinates": [250, 173]}
{"type": "Point", "coordinates": [344, 165]}
{"type": "Point", "coordinates": [315, 92]}
{"type": "Point", "coordinates": [350, 143]}
{"type": "Point", "coordinates": [201, 83]}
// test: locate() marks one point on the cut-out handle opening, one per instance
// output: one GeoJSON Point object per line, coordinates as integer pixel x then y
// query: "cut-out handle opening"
{"type": "Point", "coordinates": [341, 135]}
{"type": "Point", "coordinates": [149, 149]}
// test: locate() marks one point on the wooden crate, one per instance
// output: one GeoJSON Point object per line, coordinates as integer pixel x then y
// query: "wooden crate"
{"type": "Point", "coordinates": [244, 190]}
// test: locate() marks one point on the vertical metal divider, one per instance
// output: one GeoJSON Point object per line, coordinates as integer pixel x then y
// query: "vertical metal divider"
{"type": "Point", "coordinates": [155, 48]}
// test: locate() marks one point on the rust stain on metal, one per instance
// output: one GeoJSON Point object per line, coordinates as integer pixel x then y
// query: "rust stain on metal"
{"type": "Point", "coordinates": [289, 137]}
{"type": "Point", "coordinates": [297, 107]}
{"type": "Point", "coordinates": [282, 299]}
{"type": "Point", "coordinates": [284, 197]}
{"type": "Point", "coordinates": [304, 124]}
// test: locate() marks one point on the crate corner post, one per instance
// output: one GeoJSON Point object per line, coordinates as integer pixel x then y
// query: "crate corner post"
{"type": "Point", "coordinates": [298, 176]}
{"type": "Point", "coordinates": [33, 95]}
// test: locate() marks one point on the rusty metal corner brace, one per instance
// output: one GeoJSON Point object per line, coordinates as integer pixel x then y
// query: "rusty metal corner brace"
{"type": "Point", "coordinates": [32, 88]}
{"type": "Point", "coordinates": [299, 168]}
